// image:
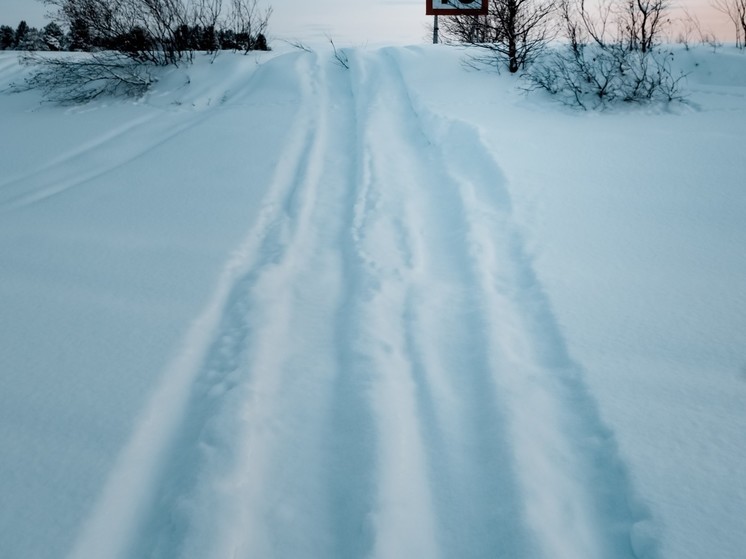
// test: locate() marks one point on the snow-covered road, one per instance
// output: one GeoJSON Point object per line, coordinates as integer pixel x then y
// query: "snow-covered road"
{"type": "Point", "coordinates": [366, 361]}
{"type": "Point", "coordinates": [379, 373]}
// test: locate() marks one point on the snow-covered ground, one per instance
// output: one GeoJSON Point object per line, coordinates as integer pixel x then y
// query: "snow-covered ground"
{"type": "Point", "coordinates": [282, 309]}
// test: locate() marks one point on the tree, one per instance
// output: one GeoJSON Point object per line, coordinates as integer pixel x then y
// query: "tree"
{"type": "Point", "coordinates": [145, 29]}
{"type": "Point", "coordinates": [79, 36]}
{"type": "Point", "coordinates": [736, 11]}
{"type": "Point", "coordinates": [208, 40]}
{"type": "Point", "coordinates": [514, 31]}
{"type": "Point", "coordinates": [159, 32]}
{"type": "Point", "coordinates": [53, 37]}
{"type": "Point", "coordinates": [261, 42]}
{"type": "Point", "coordinates": [33, 39]}
{"type": "Point", "coordinates": [206, 14]}
{"type": "Point", "coordinates": [7, 37]}
{"type": "Point", "coordinates": [21, 32]}
{"type": "Point", "coordinates": [127, 37]}
{"type": "Point", "coordinates": [642, 22]}
{"type": "Point", "coordinates": [469, 29]}
{"type": "Point", "coordinates": [134, 41]}
{"type": "Point", "coordinates": [249, 22]}
{"type": "Point", "coordinates": [227, 39]}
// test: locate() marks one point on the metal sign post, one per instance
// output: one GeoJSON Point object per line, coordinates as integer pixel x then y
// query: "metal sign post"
{"type": "Point", "coordinates": [435, 30]}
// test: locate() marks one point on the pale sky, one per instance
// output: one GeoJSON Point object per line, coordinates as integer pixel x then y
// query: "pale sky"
{"type": "Point", "coordinates": [351, 22]}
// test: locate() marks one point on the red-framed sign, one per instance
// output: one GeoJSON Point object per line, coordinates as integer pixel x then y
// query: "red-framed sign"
{"type": "Point", "coordinates": [456, 7]}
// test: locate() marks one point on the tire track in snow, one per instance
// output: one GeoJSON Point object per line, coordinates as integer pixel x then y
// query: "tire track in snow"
{"type": "Point", "coordinates": [147, 508]}
{"type": "Point", "coordinates": [446, 486]}
{"type": "Point", "coordinates": [402, 520]}
{"type": "Point", "coordinates": [261, 466]}
{"type": "Point", "coordinates": [258, 440]}
{"type": "Point", "coordinates": [576, 495]}
{"type": "Point", "coordinates": [290, 461]}
{"type": "Point", "coordinates": [378, 373]}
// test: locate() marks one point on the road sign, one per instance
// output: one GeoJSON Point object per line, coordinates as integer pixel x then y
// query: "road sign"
{"type": "Point", "coordinates": [456, 7]}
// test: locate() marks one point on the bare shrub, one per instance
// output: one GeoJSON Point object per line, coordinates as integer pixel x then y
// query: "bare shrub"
{"type": "Point", "coordinates": [610, 56]}
{"type": "Point", "coordinates": [340, 55]}
{"type": "Point", "coordinates": [84, 77]}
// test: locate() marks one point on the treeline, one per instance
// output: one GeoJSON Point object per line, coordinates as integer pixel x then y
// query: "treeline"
{"type": "Point", "coordinates": [79, 38]}
{"type": "Point", "coordinates": [159, 32]}
{"type": "Point", "coordinates": [128, 40]}
{"type": "Point", "coordinates": [23, 37]}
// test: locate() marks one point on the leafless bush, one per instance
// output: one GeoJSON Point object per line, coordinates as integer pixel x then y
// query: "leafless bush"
{"type": "Point", "coordinates": [340, 55]}
{"type": "Point", "coordinates": [604, 63]}
{"type": "Point", "coordinates": [84, 77]}
{"type": "Point", "coordinates": [297, 44]}
{"type": "Point", "coordinates": [591, 76]}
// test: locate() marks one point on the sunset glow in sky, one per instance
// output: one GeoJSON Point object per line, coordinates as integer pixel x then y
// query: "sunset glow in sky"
{"type": "Point", "coordinates": [356, 22]}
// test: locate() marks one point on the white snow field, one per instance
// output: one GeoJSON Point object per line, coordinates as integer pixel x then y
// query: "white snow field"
{"type": "Point", "coordinates": [282, 309]}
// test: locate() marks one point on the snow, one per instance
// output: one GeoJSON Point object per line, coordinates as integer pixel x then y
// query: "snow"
{"type": "Point", "coordinates": [278, 308]}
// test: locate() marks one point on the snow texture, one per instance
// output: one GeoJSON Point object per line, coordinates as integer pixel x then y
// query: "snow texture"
{"type": "Point", "coordinates": [279, 308]}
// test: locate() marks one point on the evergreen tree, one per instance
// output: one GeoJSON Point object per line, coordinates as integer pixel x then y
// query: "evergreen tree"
{"type": "Point", "coordinates": [183, 38]}
{"type": "Point", "coordinates": [261, 42]}
{"type": "Point", "coordinates": [33, 39]}
{"type": "Point", "coordinates": [80, 35]}
{"type": "Point", "coordinates": [209, 39]}
{"type": "Point", "coordinates": [227, 39]}
{"type": "Point", "coordinates": [133, 42]}
{"type": "Point", "coordinates": [21, 32]}
{"type": "Point", "coordinates": [53, 37]}
{"type": "Point", "coordinates": [7, 37]}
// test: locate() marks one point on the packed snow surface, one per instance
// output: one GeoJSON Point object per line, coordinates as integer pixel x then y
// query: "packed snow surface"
{"type": "Point", "coordinates": [279, 308]}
